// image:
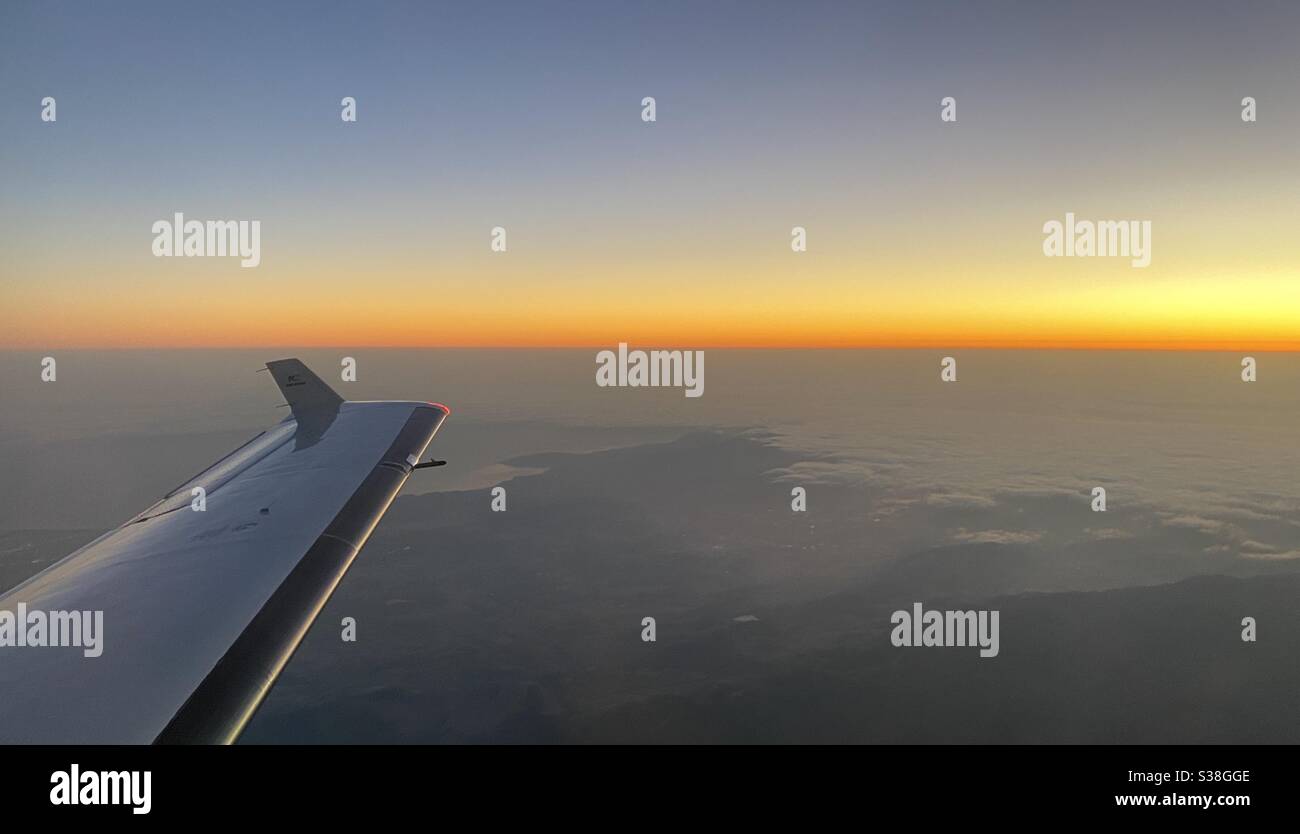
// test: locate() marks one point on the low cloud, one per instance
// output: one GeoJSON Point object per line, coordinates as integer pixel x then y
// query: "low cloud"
{"type": "Point", "coordinates": [833, 473]}
{"type": "Point", "coordinates": [997, 536]}
{"type": "Point", "coordinates": [1211, 526]}
{"type": "Point", "coordinates": [1276, 556]}
{"type": "Point", "coordinates": [959, 499]}
{"type": "Point", "coordinates": [1108, 533]}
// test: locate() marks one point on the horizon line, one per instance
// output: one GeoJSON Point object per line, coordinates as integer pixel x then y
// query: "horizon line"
{"type": "Point", "coordinates": [1161, 346]}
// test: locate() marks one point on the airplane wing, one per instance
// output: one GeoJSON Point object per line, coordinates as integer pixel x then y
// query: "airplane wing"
{"type": "Point", "coordinates": [203, 609]}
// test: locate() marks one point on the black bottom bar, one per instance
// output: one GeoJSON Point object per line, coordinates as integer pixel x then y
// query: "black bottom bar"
{"type": "Point", "coordinates": [870, 784]}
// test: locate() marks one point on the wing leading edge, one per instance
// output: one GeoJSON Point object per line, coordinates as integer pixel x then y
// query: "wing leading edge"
{"type": "Point", "coordinates": [203, 609]}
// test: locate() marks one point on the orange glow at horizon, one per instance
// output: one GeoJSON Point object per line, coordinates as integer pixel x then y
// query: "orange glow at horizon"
{"type": "Point", "coordinates": [166, 324]}
{"type": "Point", "coordinates": [552, 299]}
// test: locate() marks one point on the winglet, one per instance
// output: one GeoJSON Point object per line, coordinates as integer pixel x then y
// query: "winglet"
{"type": "Point", "coordinates": [306, 393]}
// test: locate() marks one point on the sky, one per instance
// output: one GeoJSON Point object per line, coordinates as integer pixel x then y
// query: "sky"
{"type": "Point", "coordinates": [677, 232]}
